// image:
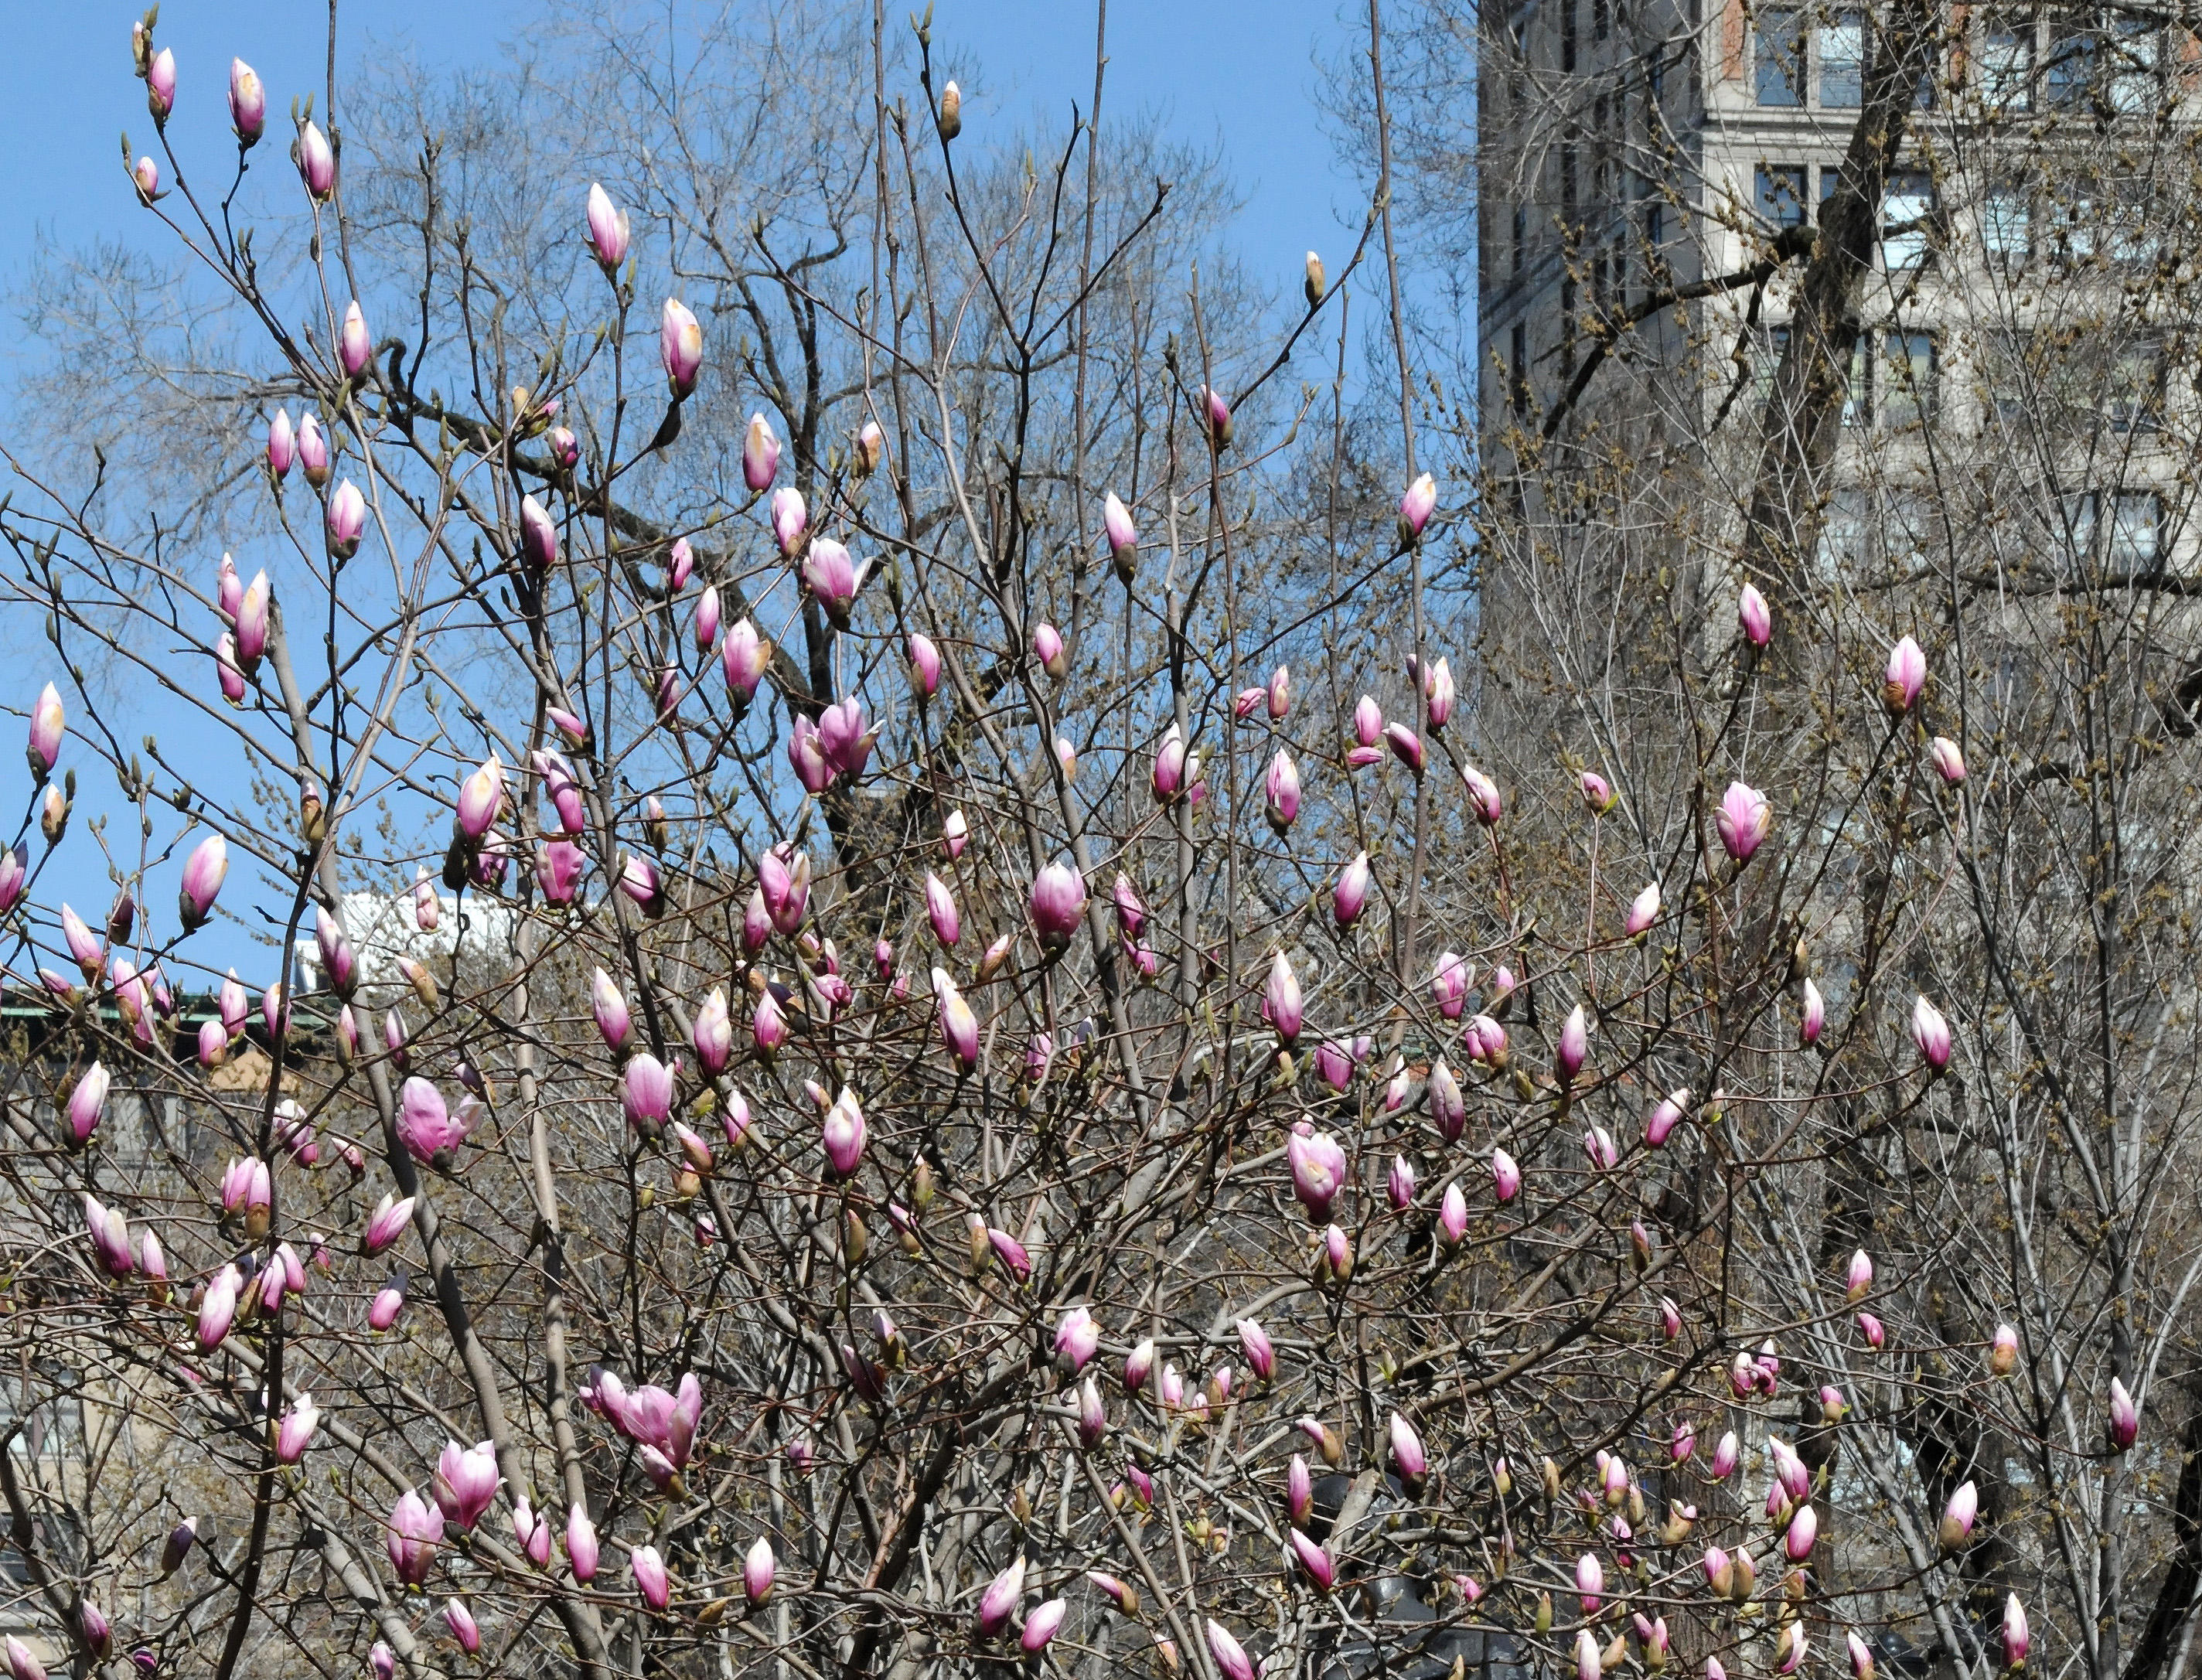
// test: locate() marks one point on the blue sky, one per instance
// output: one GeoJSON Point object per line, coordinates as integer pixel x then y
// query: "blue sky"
{"type": "Point", "coordinates": [1223, 74]}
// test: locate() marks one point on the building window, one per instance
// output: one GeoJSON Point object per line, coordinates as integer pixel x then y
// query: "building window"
{"type": "Point", "coordinates": [2007, 225]}
{"type": "Point", "coordinates": [1844, 531]}
{"type": "Point", "coordinates": [2133, 46]}
{"type": "Point", "coordinates": [1907, 381]}
{"type": "Point", "coordinates": [1858, 398]}
{"type": "Point", "coordinates": [1842, 62]}
{"type": "Point", "coordinates": [2136, 530]}
{"type": "Point", "coordinates": [53, 1417]}
{"type": "Point", "coordinates": [1771, 344]}
{"type": "Point", "coordinates": [2007, 64]}
{"type": "Point", "coordinates": [2069, 81]}
{"type": "Point", "coordinates": [1780, 58]}
{"type": "Point", "coordinates": [2133, 538]}
{"type": "Point", "coordinates": [1779, 194]}
{"type": "Point", "coordinates": [1518, 376]}
{"type": "Point", "coordinates": [1905, 213]}
{"type": "Point", "coordinates": [2135, 377]}
{"type": "Point", "coordinates": [1521, 234]}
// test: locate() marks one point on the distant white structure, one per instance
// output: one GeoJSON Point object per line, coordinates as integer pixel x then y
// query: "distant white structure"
{"type": "Point", "coordinates": [382, 928]}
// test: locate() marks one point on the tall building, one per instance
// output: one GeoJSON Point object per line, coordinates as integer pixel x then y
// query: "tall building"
{"type": "Point", "coordinates": [2031, 298]}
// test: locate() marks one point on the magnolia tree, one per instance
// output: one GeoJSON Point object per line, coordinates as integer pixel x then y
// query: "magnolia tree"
{"type": "Point", "coordinates": [937, 1105]}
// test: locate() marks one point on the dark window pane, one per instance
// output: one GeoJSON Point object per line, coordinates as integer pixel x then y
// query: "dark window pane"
{"type": "Point", "coordinates": [2007, 65]}
{"type": "Point", "coordinates": [1780, 58]}
{"type": "Point", "coordinates": [1781, 194]}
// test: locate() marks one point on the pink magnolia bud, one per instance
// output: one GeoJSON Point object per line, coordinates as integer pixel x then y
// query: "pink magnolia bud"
{"type": "Point", "coordinates": [1726, 1455]}
{"type": "Point", "coordinates": [355, 344]}
{"type": "Point", "coordinates": [203, 873]}
{"type": "Point", "coordinates": [1858, 1279]}
{"type": "Point", "coordinates": [2124, 1422]}
{"type": "Point", "coordinates": [959, 1027]}
{"type": "Point", "coordinates": [1231, 1662]}
{"type": "Point", "coordinates": [1415, 507]}
{"type": "Point", "coordinates": [1959, 1517]}
{"type": "Point", "coordinates": [745, 657]}
{"type": "Point", "coordinates": [1643, 912]}
{"type": "Point", "coordinates": [539, 536]}
{"type": "Point", "coordinates": [1449, 982]}
{"type": "Point", "coordinates": [1299, 1491]}
{"type": "Point", "coordinates": [1139, 1365]}
{"type": "Point", "coordinates": [1368, 721]}
{"type": "Point", "coordinates": [1906, 677]}
{"type": "Point", "coordinates": [1812, 1017]}
{"type": "Point", "coordinates": [2003, 1352]}
{"type": "Point", "coordinates": [759, 1567]}
{"type": "Point", "coordinates": [1598, 794]}
{"type": "Point", "coordinates": [1283, 789]}
{"type": "Point", "coordinates": [581, 1549]}
{"type": "Point", "coordinates": [1666, 1117]}
{"type": "Point", "coordinates": [86, 1103]}
{"type": "Point", "coordinates": [387, 1223]}
{"type": "Point", "coordinates": [1684, 1441]}
{"type": "Point", "coordinates": [1217, 413]}
{"type": "Point", "coordinates": [1407, 747]}
{"type": "Point", "coordinates": [609, 232]}
{"type": "Point", "coordinates": [282, 453]}
{"type": "Point", "coordinates": [297, 1430]}
{"type": "Point", "coordinates": [707, 620]}
{"type": "Point", "coordinates": [1314, 1559]}
{"type": "Point", "coordinates": [1334, 1066]}
{"type": "Point", "coordinates": [1056, 903]}
{"type": "Point", "coordinates": [1092, 1416]}
{"type": "Point", "coordinates": [1169, 776]}
{"type": "Point", "coordinates": [218, 1307]}
{"type": "Point", "coordinates": [1351, 895]}
{"type": "Point", "coordinates": [1453, 1216]}
{"type": "Point", "coordinates": [999, 1600]}
{"type": "Point", "coordinates": [161, 85]}
{"type": "Point", "coordinates": [1482, 796]}
{"type": "Point", "coordinates": [1437, 694]}
{"type": "Point", "coordinates": [1949, 762]}
{"type": "Point", "coordinates": [317, 164]}
{"type": "Point", "coordinates": [831, 576]}
{"type": "Point", "coordinates": [681, 347]}
{"type": "Point", "coordinates": [145, 175]}
{"type": "Point", "coordinates": [1755, 618]}
{"type": "Point", "coordinates": [430, 1129]}
{"type": "Point", "coordinates": [1318, 1168]}
{"type": "Point", "coordinates": [248, 103]}
{"type": "Point", "coordinates": [347, 524]}
{"type": "Point", "coordinates": [44, 745]}
{"type": "Point", "coordinates": [1280, 1000]}
{"type": "Point", "coordinates": [461, 1621]}
{"type": "Point", "coordinates": [1871, 1328]}
{"type": "Point", "coordinates": [1123, 537]}
{"type": "Point", "coordinates": [1743, 819]}
{"type": "Point", "coordinates": [924, 665]}
{"type": "Point", "coordinates": [481, 799]}
{"type": "Point", "coordinates": [1590, 1582]}
{"type": "Point", "coordinates": [1505, 1175]}
{"type": "Point", "coordinates": [941, 911]}
{"type": "Point", "coordinates": [791, 521]}
{"type": "Point", "coordinates": [1249, 701]}
{"type": "Point", "coordinates": [651, 1579]}
{"type": "Point", "coordinates": [1261, 1353]}
{"type": "Point", "coordinates": [565, 447]}
{"type": "Point", "coordinates": [1586, 1656]}
{"type": "Point", "coordinates": [1802, 1532]}
{"type": "Point", "coordinates": [1931, 1033]}
{"type": "Point", "coordinates": [1399, 1188]}
{"type": "Point", "coordinates": [1574, 1044]}
{"type": "Point", "coordinates": [647, 1093]}
{"type": "Point", "coordinates": [1448, 1108]}
{"type": "Point", "coordinates": [843, 1132]}
{"type": "Point", "coordinates": [313, 450]}
{"type": "Point", "coordinates": [1408, 1459]}
{"type": "Point", "coordinates": [2017, 1640]}
{"type": "Point", "coordinates": [1048, 648]}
